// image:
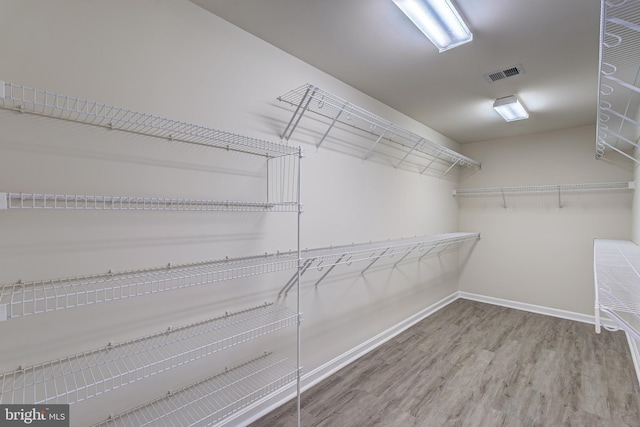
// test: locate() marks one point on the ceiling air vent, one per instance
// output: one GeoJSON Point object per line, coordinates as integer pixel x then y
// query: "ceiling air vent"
{"type": "Point", "coordinates": [503, 74]}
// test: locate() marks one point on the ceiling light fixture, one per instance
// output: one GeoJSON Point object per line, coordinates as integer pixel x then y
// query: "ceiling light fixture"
{"type": "Point", "coordinates": [510, 108]}
{"type": "Point", "coordinates": [438, 20]}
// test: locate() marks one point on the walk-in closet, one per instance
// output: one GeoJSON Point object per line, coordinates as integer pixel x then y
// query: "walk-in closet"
{"type": "Point", "coordinates": [319, 213]}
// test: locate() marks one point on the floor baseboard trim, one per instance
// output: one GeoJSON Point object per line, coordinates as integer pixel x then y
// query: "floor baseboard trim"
{"type": "Point", "coordinates": [264, 406]}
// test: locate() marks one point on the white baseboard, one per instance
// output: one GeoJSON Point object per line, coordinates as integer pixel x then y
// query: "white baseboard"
{"type": "Point", "coordinates": [308, 380]}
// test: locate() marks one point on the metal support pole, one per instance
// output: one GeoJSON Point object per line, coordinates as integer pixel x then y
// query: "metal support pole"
{"type": "Point", "coordinates": [366, 156]}
{"type": "Point", "coordinates": [559, 199]}
{"type": "Point", "coordinates": [407, 254]}
{"type": "Point", "coordinates": [376, 259]}
{"type": "Point", "coordinates": [427, 253]}
{"type": "Point", "coordinates": [284, 135]}
{"type": "Point", "coordinates": [298, 337]}
{"type": "Point", "coordinates": [450, 167]}
{"type": "Point", "coordinates": [504, 200]}
{"type": "Point", "coordinates": [287, 287]}
{"type": "Point", "coordinates": [329, 270]}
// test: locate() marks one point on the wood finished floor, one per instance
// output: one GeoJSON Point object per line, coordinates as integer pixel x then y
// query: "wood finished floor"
{"type": "Point", "coordinates": [474, 364]}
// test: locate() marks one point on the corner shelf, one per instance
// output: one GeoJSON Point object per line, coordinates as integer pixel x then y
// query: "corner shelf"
{"type": "Point", "coordinates": [126, 203]}
{"type": "Point", "coordinates": [215, 398]}
{"type": "Point", "coordinates": [82, 376]}
{"type": "Point", "coordinates": [618, 94]}
{"type": "Point", "coordinates": [332, 256]}
{"type": "Point", "coordinates": [23, 299]}
{"type": "Point", "coordinates": [617, 283]}
{"type": "Point", "coordinates": [427, 153]}
{"type": "Point", "coordinates": [553, 188]}
{"type": "Point", "coordinates": [44, 103]}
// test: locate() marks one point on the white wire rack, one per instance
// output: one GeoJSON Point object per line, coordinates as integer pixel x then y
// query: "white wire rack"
{"type": "Point", "coordinates": [82, 376]}
{"type": "Point", "coordinates": [553, 188]}
{"type": "Point", "coordinates": [618, 127]}
{"type": "Point", "coordinates": [124, 203]}
{"type": "Point", "coordinates": [37, 101]}
{"type": "Point", "coordinates": [330, 257]}
{"type": "Point", "coordinates": [617, 282]}
{"type": "Point", "coordinates": [23, 299]}
{"type": "Point", "coordinates": [213, 399]}
{"type": "Point", "coordinates": [337, 110]}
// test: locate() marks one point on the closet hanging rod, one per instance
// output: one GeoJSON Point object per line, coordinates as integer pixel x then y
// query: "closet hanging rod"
{"type": "Point", "coordinates": [85, 375]}
{"type": "Point", "coordinates": [311, 98]}
{"type": "Point", "coordinates": [41, 102]}
{"type": "Point", "coordinates": [122, 203]}
{"type": "Point", "coordinates": [215, 398]}
{"type": "Point", "coordinates": [603, 186]}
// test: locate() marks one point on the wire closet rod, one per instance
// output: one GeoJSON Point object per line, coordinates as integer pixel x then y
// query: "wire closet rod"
{"type": "Point", "coordinates": [122, 203]}
{"type": "Point", "coordinates": [42, 102]}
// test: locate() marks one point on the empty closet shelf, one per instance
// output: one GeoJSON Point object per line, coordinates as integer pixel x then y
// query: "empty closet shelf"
{"type": "Point", "coordinates": [23, 299]}
{"type": "Point", "coordinates": [379, 130]}
{"type": "Point", "coordinates": [214, 398]}
{"type": "Point", "coordinates": [41, 102]}
{"type": "Point", "coordinates": [85, 375]}
{"type": "Point", "coordinates": [125, 203]}
{"type": "Point", "coordinates": [617, 282]}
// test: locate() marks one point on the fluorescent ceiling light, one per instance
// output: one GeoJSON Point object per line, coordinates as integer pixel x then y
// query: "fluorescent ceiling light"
{"type": "Point", "coordinates": [438, 20]}
{"type": "Point", "coordinates": [510, 108]}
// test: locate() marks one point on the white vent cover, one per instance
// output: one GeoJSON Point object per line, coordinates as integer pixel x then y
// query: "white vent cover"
{"type": "Point", "coordinates": [494, 76]}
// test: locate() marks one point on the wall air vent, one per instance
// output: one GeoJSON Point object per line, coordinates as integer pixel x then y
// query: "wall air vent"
{"type": "Point", "coordinates": [494, 76]}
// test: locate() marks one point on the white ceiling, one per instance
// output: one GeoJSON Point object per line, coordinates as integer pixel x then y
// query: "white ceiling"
{"type": "Point", "coordinates": [373, 47]}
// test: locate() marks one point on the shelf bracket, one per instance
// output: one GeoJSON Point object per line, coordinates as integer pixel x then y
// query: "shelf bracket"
{"type": "Point", "coordinates": [450, 167]}
{"type": "Point", "coordinates": [335, 119]}
{"type": "Point", "coordinates": [409, 152]}
{"type": "Point", "coordinates": [427, 253]}
{"type": "Point", "coordinates": [407, 254]}
{"type": "Point", "coordinates": [504, 200]}
{"type": "Point", "coordinates": [366, 156]}
{"type": "Point", "coordinates": [329, 270]}
{"type": "Point", "coordinates": [298, 112]}
{"type": "Point", "coordinates": [294, 279]}
{"type": "Point", "coordinates": [376, 259]}
{"type": "Point", "coordinates": [559, 198]}
{"type": "Point", "coordinates": [435, 157]}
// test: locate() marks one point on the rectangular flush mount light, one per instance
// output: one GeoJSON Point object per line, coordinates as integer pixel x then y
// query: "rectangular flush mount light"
{"type": "Point", "coordinates": [438, 20]}
{"type": "Point", "coordinates": [510, 109]}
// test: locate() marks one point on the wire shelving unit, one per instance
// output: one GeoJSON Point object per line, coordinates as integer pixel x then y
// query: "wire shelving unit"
{"type": "Point", "coordinates": [24, 299]}
{"type": "Point", "coordinates": [45, 103]}
{"type": "Point", "coordinates": [552, 188]}
{"type": "Point", "coordinates": [213, 399]}
{"type": "Point", "coordinates": [618, 127]}
{"type": "Point", "coordinates": [419, 150]}
{"type": "Point", "coordinates": [82, 376]}
{"type": "Point", "coordinates": [126, 203]}
{"type": "Point", "coordinates": [330, 257]}
{"type": "Point", "coordinates": [617, 283]}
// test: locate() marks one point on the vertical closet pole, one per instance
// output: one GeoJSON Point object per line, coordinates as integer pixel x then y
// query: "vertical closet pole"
{"type": "Point", "coordinates": [298, 287]}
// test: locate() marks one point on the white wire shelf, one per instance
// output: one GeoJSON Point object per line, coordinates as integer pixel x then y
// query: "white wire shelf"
{"type": "Point", "coordinates": [41, 102]}
{"type": "Point", "coordinates": [618, 128]}
{"type": "Point", "coordinates": [311, 98]}
{"type": "Point", "coordinates": [617, 282]}
{"type": "Point", "coordinates": [23, 299]}
{"type": "Point", "coordinates": [125, 203]}
{"type": "Point", "coordinates": [82, 376]}
{"type": "Point", "coordinates": [332, 256]}
{"type": "Point", "coordinates": [552, 188]}
{"type": "Point", "coordinates": [213, 399]}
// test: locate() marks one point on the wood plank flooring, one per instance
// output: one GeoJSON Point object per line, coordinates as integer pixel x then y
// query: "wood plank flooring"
{"type": "Point", "coordinates": [473, 364]}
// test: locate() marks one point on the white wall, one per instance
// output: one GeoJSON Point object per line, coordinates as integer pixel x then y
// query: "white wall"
{"type": "Point", "coordinates": [173, 59]}
{"type": "Point", "coordinates": [533, 251]}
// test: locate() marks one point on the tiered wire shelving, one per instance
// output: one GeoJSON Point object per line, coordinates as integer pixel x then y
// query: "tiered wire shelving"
{"type": "Point", "coordinates": [333, 256]}
{"type": "Point", "coordinates": [617, 284]}
{"type": "Point", "coordinates": [126, 203]}
{"type": "Point", "coordinates": [618, 126]}
{"type": "Point", "coordinates": [411, 147]}
{"type": "Point", "coordinates": [553, 188]}
{"type": "Point", "coordinates": [212, 399]}
{"type": "Point", "coordinates": [91, 373]}
{"type": "Point", "coordinates": [82, 376]}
